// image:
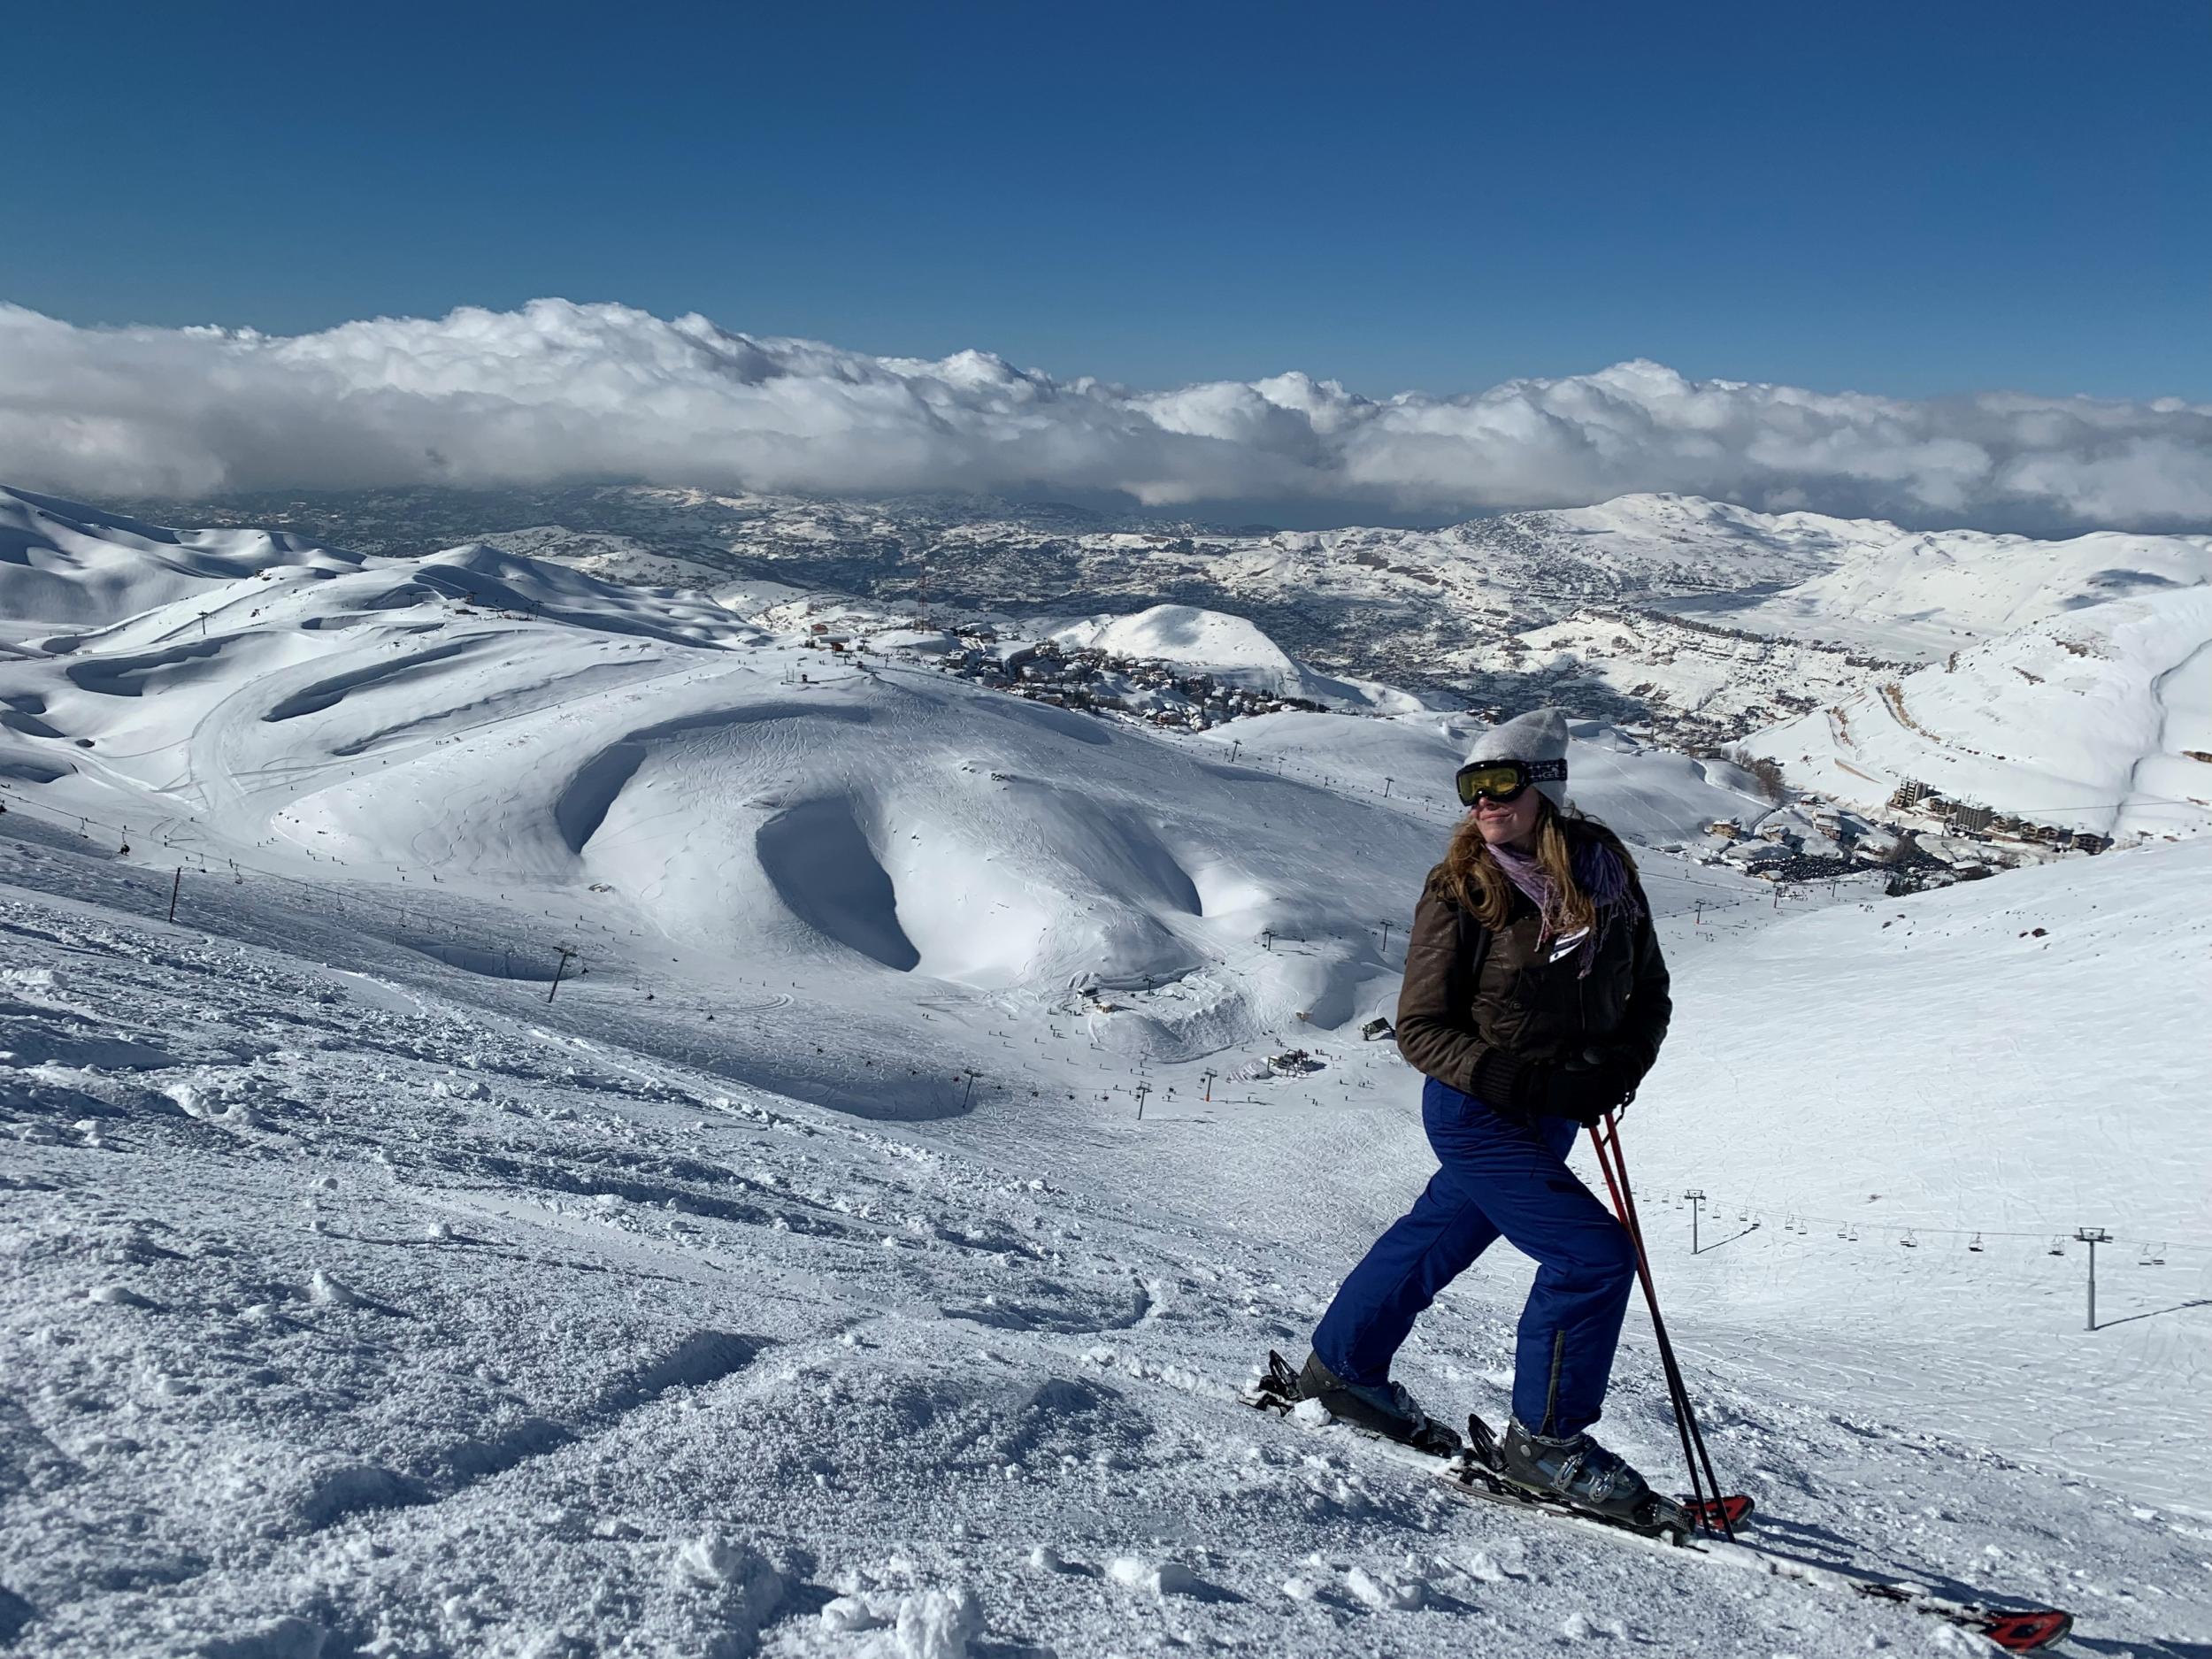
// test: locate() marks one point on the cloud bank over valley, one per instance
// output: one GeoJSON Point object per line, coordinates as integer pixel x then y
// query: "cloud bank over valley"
{"type": "Point", "coordinates": [560, 392]}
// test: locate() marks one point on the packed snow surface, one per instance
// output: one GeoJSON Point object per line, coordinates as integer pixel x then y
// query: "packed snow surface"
{"type": "Point", "coordinates": [799, 1276]}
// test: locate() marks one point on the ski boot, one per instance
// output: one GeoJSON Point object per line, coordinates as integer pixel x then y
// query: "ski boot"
{"type": "Point", "coordinates": [1382, 1409]}
{"type": "Point", "coordinates": [1579, 1472]}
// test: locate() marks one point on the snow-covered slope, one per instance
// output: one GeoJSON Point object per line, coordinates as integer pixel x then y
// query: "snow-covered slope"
{"type": "Point", "coordinates": [63, 562]}
{"type": "Point", "coordinates": [368, 1292]}
{"type": "Point", "coordinates": [1940, 1091]}
{"type": "Point", "coordinates": [361, 1302]}
{"type": "Point", "coordinates": [1924, 594]}
{"type": "Point", "coordinates": [654, 766]}
{"type": "Point", "coordinates": [1715, 543]}
{"type": "Point", "coordinates": [1693, 678]}
{"type": "Point", "coordinates": [2099, 719]}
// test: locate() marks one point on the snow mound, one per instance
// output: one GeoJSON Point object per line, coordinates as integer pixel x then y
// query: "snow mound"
{"type": "Point", "coordinates": [1231, 648]}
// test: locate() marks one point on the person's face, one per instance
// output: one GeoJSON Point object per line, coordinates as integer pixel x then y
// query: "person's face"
{"type": "Point", "coordinates": [1510, 823]}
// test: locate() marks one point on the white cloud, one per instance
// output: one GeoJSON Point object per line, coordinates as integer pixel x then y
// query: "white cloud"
{"type": "Point", "coordinates": [558, 391]}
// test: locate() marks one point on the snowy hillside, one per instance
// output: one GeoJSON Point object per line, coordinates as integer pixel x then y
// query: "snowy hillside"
{"type": "Point", "coordinates": [859, 1250]}
{"type": "Point", "coordinates": [1434, 601]}
{"type": "Point", "coordinates": [360, 1302]}
{"type": "Point", "coordinates": [1520, 608]}
{"type": "Point", "coordinates": [2099, 719]}
{"type": "Point", "coordinates": [1698, 680]}
{"type": "Point", "coordinates": [1924, 594]}
{"type": "Point", "coordinates": [63, 562]}
{"type": "Point", "coordinates": [651, 765]}
{"type": "Point", "coordinates": [1905, 1079]}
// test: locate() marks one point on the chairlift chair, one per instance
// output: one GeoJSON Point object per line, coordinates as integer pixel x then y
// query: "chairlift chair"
{"type": "Point", "coordinates": [2058, 1244]}
{"type": "Point", "coordinates": [1975, 1244]}
{"type": "Point", "coordinates": [1909, 1241]}
{"type": "Point", "coordinates": [2154, 1256]}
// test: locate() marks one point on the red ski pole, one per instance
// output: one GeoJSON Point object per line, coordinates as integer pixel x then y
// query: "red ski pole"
{"type": "Point", "coordinates": [1615, 1168]}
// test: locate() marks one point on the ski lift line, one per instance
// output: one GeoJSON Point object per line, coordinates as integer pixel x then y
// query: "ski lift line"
{"type": "Point", "coordinates": [1855, 1224]}
{"type": "Point", "coordinates": [1965, 1232]}
{"type": "Point", "coordinates": [355, 893]}
{"type": "Point", "coordinates": [1896, 1226]}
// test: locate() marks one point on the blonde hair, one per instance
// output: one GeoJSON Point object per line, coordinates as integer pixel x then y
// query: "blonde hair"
{"type": "Point", "coordinates": [1472, 876]}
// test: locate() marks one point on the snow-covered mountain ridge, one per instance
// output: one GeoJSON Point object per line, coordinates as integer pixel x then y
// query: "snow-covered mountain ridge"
{"type": "Point", "coordinates": [1698, 680]}
{"type": "Point", "coordinates": [1442, 609]}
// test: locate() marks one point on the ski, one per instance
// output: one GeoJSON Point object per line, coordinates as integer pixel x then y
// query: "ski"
{"type": "Point", "coordinates": [2016, 1630]}
{"type": "Point", "coordinates": [1725, 1513]}
{"type": "Point", "coordinates": [1673, 1518]}
{"type": "Point", "coordinates": [1468, 1468]}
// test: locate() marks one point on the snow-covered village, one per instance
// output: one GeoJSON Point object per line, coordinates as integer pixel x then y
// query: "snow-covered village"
{"type": "Point", "coordinates": [1019, 835]}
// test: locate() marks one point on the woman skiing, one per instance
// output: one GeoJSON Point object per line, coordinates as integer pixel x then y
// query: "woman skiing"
{"type": "Point", "coordinates": [1535, 1001]}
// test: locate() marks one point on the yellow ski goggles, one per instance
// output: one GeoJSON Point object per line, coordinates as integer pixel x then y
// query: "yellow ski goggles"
{"type": "Point", "coordinates": [1503, 780]}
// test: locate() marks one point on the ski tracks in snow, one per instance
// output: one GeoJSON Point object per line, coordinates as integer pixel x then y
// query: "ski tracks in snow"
{"type": "Point", "coordinates": [341, 1326]}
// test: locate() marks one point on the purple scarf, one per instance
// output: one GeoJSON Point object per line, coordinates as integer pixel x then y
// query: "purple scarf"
{"type": "Point", "coordinates": [1598, 872]}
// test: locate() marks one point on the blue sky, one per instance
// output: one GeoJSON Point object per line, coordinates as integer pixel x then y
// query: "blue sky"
{"type": "Point", "coordinates": [1912, 200]}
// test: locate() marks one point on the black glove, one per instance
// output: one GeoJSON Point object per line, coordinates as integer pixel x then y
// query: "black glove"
{"type": "Point", "coordinates": [1594, 1083]}
{"type": "Point", "coordinates": [1584, 1088]}
{"type": "Point", "coordinates": [1510, 1087]}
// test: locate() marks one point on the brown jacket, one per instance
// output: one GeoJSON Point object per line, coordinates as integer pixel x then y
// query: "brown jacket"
{"type": "Point", "coordinates": [1465, 993]}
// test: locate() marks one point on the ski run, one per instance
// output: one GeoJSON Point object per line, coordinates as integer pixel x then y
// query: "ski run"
{"type": "Point", "coordinates": [864, 1247]}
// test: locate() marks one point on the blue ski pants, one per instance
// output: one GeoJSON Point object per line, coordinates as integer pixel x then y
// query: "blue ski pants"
{"type": "Point", "coordinates": [1502, 1177]}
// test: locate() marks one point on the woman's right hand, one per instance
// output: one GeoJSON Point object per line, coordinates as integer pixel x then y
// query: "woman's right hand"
{"type": "Point", "coordinates": [1594, 1084]}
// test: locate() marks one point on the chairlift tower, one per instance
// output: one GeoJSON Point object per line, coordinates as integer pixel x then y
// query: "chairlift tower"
{"type": "Point", "coordinates": [560, 968]}
{"type": "Point", "coordinates": [2092, 1237]}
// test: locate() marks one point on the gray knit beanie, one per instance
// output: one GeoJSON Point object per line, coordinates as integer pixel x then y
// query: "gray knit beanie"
{"type": "Point", "coordinates": [1540, 735]}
